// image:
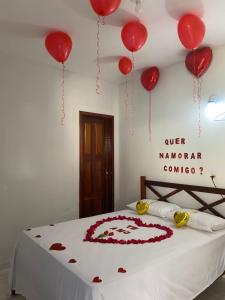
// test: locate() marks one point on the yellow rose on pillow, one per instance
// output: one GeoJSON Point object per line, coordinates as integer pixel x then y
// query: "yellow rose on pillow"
{"type": "Point", "coordinates": [142, 207]}
{"type": "Point", "coordinates": [181, 218]}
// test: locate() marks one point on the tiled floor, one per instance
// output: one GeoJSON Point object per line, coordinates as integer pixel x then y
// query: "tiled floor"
{"type": "Point", "coordinates": [215, 292]}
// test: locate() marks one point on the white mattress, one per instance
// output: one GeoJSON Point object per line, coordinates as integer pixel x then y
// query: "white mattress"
{"type": "Point", "coordinates": [177, 268]}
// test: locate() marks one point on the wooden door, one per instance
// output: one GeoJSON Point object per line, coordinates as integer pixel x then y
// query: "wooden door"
{"type": "Point", "coordinates": [96, 164]}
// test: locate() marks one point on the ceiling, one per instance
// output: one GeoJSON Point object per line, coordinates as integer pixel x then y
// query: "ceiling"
{"type": "Point", "coordinates": [25, 23]}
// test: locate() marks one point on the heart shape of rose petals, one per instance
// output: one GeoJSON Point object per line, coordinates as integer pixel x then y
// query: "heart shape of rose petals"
{"type": "Point", "coordinates": [97, 279]}
{"type": "Point", "coordinates": [198, 61]}
{"type": "Point", "coordinates": [138, 222]}
{"type": "Point", "coordinates": [122, 270]}
{"type": "Point", "coordinates": [57, 247]}
{"type": "Point", "coordinates": [72, 261]}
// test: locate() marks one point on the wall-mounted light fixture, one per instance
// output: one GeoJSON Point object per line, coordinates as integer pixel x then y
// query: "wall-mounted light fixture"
{"type": "Point", "coordinates": [215, 109]}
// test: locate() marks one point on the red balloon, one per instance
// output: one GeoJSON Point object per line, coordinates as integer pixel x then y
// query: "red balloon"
{"type": "Point", "coordinates": [149, 78]}
{"type": "Point", "coordinates": [198, 61]}
{"type": "Point", "coordinates": [105, 7]}
{"type": "Point", "coordinates": [125, 65]}
{"type": "Point", "coordinates": [134, 36]}
{"type": "Point", "coordinates": [191, 31]}
{"type": "Point", "coordinates": [59, 45]}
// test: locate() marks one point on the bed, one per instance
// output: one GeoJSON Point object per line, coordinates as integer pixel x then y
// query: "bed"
{"type": "Point", "coordinates": [119, 256]}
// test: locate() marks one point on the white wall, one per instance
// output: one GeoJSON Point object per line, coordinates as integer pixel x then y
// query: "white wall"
{"type": "Point", "coordinates": [39, 161]}
{"type": "Point", "coordinates": [174, 114]}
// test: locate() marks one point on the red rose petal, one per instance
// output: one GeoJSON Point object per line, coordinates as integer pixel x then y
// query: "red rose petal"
{"type": "Point", "coordinates": [122, 270]}
{"type": "Point", "coordinates": [72, 261]}
{"type": "Point", "coordinates": [97, 279]}
{"type": "Point", "coordinates": [57, 247]}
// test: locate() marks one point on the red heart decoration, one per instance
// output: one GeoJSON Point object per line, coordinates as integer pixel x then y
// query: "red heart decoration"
{"type": "Point", "coordinates": [38, 236]}
{"type": "Point", "coordinates": [97, 279]}
{"type": "Point", "coordinates": [72, 261]}
{"type": "Point", "coordinates": [138, 222]}
{"type": "Point", "coordinates": [57, 247]}
{"type": "Point", "coordinates": [149, 78]}
{"type": "Point", "coordinates": [122, 270]}
{"type": "Point", "coordinates": [198, 61]}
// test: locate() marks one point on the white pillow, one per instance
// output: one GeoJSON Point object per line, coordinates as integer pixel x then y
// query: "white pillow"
{"type": "Point", "coordinates": [157, 208]}
{"type": "Point", "coordinates": [202, 221]}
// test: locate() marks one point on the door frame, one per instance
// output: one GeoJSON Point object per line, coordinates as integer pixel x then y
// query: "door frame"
{"type": "Point", "coordinates": [103, 116]}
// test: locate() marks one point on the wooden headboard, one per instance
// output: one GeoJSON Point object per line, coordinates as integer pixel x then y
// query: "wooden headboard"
{"type": "Point", "coordinates": [189, 189]}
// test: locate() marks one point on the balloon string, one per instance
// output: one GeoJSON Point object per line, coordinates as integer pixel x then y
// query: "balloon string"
{"type": "Point", "coordinates": [199, 118]}
{"type": "Point", "coordinates": [132, 101]}
{"type": "Point", "coordinates": [103, 20]}
{"type": "Point", "coordinates": [63, 97]}
{"type": "Point", "coordinates": [199, 88]}
{"type": "Point", "coordinates": [133, 60]}
{"type": "Point", "coordinates": [199, 107]}
{"type": "Point", "coordinates": [150, 117]}
{"type": "Point", "coordinates": [126, 102]}
{"type": "Point", "coordinates": [195, 80]}
{"type": "Point", "coordinates": [98, 57]}
{"type": "Point", "coordinates": [197, 92]}
{"type": "Point", "coordinates": [195, 84]}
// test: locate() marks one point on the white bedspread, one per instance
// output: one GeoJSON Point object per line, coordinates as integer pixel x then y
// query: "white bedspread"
{"type": "Point", "coordinates": [177, 268]}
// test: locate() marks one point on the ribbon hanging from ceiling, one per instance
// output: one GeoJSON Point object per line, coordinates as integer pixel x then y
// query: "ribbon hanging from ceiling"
{"type": "Point", "coordinates": [102, 8]}
{"type": "Point", "coordinates": [197, 62]}
{"type": "Point", "coordinates": [59, 46]}
{"type": "Point", "coordinates": [125, 67]}
{"type": "Point", "coordinates": [134, 36]}
{"type": "Point", "coordinates": [191, 32]}
{"type": "Point", "coordinates": [149, 80]}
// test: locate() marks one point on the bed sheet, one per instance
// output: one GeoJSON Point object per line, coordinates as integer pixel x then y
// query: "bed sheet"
{"type": "Point", "coordinates": [179, 267]}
